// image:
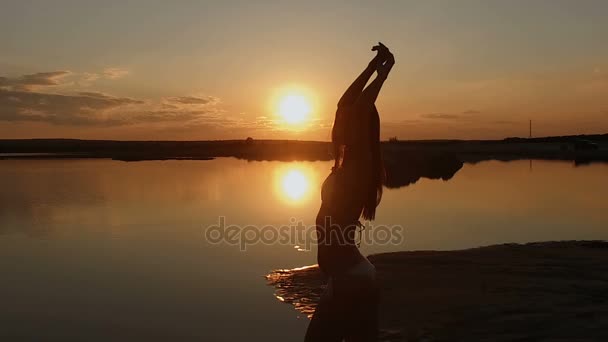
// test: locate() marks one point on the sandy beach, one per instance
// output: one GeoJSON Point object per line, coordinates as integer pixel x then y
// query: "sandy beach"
{"type": "Point", "coordinates": [546, 291]}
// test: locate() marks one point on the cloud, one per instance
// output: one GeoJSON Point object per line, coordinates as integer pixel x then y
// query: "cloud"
{"type": "Point", "coordinates": [94, 94]}
{"type": "Point", "coordinates": [467, 114]}
{"type": "Point", "coordinates": [22, 101]}
{"type": "Point", "coordinates": [32, 81]}
{"type": "Point", "coordinates": [99, 109]}
{"type": "Point", "coordinates": [440, 116]}
{"type": "Point", "coordinates": [114, 73]}
{"type": "Point", "coordinates": [87, 79]}
{"type": "Point", "coordinates": [78, 109]}
{"type": "Point", "coordinates": [192, 100]}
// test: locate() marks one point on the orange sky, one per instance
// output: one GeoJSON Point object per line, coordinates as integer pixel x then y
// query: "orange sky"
{"type": "Point", "coordinates": [468, 70]}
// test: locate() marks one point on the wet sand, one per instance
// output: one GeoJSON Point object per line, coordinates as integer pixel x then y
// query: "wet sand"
{"type": "Point", "coordinates": [547, 291]}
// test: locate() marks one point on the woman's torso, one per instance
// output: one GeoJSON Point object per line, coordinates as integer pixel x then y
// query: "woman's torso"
{"type": "Point", "coordinates": [338, 220]}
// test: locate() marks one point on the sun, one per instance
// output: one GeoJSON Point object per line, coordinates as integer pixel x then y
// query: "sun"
{"type": "Point", "coordinates": [294, 108]}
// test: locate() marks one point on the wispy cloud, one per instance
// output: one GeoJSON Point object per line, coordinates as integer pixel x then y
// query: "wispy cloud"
{"type": "Point", "coordinates": [22, 101]}
{"type": "Point", "coordinates": [440, 116]}
{"type": "Point", "coordinates": [98, 109]}
{"type": "Point", "coordinates": [37, 81]}
{"type": "Point", "coordinates": [87, 79]}
{"type": "Point", "coordinates": [77, 109]}
{"type": "Point", "coordinates": [33, 81]}
{"type": "Point", "coordinates": [115, 73]}
{"type": "Point", "coordinates": [467, 114]}
{"type": "Point", "coordinates": [192, 100]}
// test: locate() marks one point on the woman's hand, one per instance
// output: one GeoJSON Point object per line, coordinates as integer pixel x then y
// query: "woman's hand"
{"type": "Point", "coordinates": [384, 60]}
{"type": "Point", "coordinates": [381, 48]}
{"type": "Point", "coordinates": [384, 69]}
{"type": "Point", "coordinates": [381, 56]}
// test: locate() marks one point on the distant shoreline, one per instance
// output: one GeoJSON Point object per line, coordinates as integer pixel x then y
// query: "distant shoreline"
{"type": "Point", "coordinates": [578, 148]}
{"type": "Point", "coordinates": [405, 162]}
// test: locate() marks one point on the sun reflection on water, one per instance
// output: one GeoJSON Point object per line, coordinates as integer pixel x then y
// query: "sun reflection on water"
{"type": "Point", "coordinates": [294, 183]}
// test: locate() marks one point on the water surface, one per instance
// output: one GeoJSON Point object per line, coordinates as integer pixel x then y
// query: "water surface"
{"type": "Point", "coordinates": [109, 250]}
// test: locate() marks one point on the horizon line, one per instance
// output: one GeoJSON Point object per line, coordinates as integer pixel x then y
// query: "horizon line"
{"type": "Point", "coordinates": [313, 141]}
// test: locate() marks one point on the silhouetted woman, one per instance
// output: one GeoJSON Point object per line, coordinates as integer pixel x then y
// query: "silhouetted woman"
{"type": "Point", "coordinates": [348, 307]}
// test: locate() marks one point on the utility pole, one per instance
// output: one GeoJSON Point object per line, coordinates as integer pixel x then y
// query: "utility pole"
{"type": "Point", "coordinates": [530, 129]}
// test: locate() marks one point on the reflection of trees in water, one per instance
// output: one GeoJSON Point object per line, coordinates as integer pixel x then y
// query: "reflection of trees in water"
{"type": "Point", "coordinates": [587, 161]}
{"type": "Point", "coordinates": [407, 168]}
{"type": "Point", "coordinates": [403, 167]}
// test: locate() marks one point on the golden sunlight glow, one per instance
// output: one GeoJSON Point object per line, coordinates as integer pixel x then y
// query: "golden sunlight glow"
{"type": "Point", "coordinates": [294, 184]}
{"type": "Point", "coordinates": [294, 108]}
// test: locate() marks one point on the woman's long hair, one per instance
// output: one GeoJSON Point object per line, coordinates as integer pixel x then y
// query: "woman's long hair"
{"type": "Point", "coordinates": [375, 170]}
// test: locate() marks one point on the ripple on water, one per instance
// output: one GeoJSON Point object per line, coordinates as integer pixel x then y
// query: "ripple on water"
{"type": "Point", "coordinates": [300, 287]}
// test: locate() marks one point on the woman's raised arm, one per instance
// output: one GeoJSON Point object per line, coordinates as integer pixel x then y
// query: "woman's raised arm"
{"type": "Point", "coordinates": [370, 93]}
{"type": "Point", "coordinates": [354, 91]}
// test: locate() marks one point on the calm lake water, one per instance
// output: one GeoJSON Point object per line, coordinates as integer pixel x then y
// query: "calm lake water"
{"type": "Point", "coordinates": [108, 250]}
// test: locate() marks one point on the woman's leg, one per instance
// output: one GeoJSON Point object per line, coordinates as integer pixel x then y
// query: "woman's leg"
{"type": "Point", "coordinates": [348, 310]}
{"type": "Point", "coordinates": [325, 325]}
{"type": "Point", "coordinates": [361, 312]}
{"type": "Point", "coordinates": [363, 325]}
